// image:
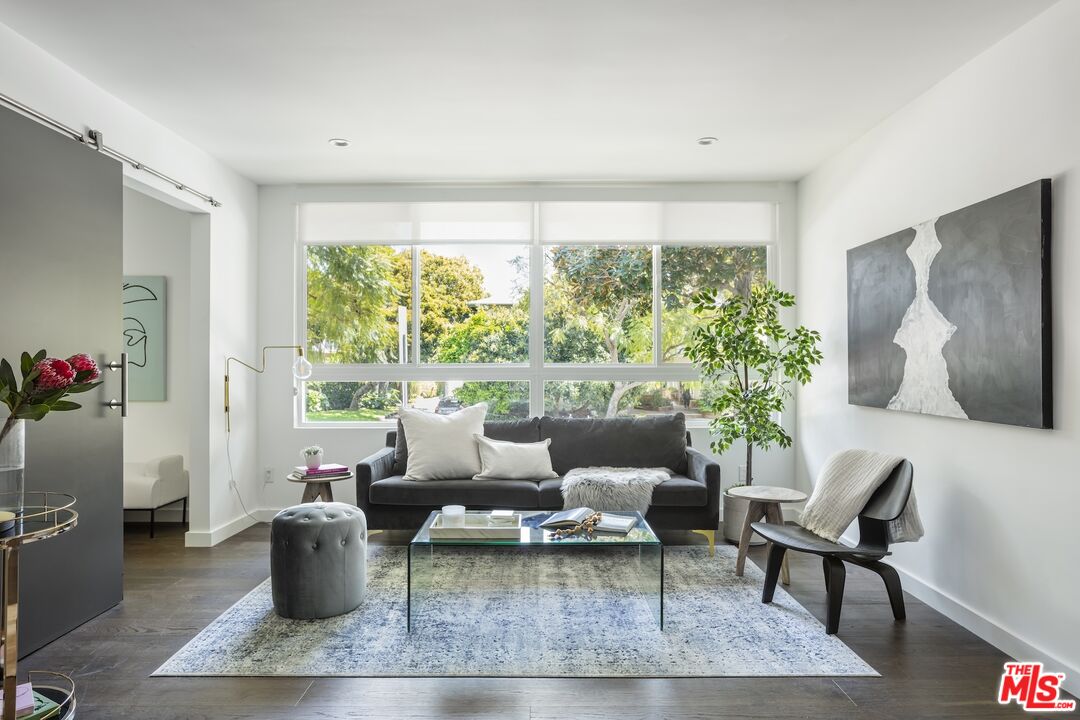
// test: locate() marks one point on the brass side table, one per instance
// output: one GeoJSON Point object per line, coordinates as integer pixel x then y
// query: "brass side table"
{"type": "Point", "coordinates": [45, 515]}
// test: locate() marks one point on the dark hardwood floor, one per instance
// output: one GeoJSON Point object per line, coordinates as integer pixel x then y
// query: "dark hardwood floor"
{"type": "Point", "coordinates": [931, 667]}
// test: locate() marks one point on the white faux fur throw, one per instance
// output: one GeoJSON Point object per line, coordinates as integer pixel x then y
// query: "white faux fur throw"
{"type": "Point", "coordinates": [611, 488]}
{"type": "Point", "coordinates": [845, 485]}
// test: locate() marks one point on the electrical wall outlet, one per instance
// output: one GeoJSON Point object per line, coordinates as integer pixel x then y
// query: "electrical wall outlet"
{"type": "Point", "coordinates": [268, 475]}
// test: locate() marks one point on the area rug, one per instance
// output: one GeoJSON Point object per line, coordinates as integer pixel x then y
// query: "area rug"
{"type": "Point", "coordinates": [501, 612]}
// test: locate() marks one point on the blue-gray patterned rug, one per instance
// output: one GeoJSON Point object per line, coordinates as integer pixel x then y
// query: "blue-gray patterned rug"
{"type": "Point", "coordinates": [504, 613]}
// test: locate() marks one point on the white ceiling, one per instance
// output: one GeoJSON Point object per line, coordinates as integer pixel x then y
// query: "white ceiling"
{"type": "Point", "coordinates": [517, 89]}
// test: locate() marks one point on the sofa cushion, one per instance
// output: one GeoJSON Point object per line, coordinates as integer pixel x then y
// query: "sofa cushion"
{"type": "Point", "coordinates": [677, 491]}
{"type": "Point", "coordinates": [680, 491]}
{"type": "Point", "coordinates": [509, 494]}
{"type": "Point", "coordinates": [526, 430]}
{"type": "Point", "coordinates": [655, 441]}
{"type": "Point", "coordinates": [551, 494]}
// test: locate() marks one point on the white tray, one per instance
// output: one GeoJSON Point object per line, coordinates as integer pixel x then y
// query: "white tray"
{"type": "Point", "coordinates": [477, 527]}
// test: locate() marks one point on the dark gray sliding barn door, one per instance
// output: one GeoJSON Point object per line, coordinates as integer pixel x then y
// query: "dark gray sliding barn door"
{"type": "Point", "coordinates": [61, 267]}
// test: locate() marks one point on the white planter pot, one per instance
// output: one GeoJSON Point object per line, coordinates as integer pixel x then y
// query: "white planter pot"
{"type": "Point", "coordinates": [313, 461]}
{"type": "Point", "coordinates": [734, 515]}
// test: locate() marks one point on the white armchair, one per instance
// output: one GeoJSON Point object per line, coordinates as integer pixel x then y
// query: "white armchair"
{"type": "Point", "coordinates": [152, 485]}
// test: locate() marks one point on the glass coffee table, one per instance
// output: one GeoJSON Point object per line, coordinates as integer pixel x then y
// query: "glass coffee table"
{"type": "Point", "coordinates": [643, 550]}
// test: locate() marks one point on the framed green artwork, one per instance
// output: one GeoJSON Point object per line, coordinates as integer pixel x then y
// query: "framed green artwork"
{"type": "Point", "coordinates": [145, 336]}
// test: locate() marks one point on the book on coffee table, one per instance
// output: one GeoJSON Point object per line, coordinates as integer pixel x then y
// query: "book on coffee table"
{"type": "Point", "coordinates": [609, 522]}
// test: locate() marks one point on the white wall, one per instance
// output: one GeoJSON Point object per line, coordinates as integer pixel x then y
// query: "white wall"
{"type": "Point", "coordinates": [223, 264]}
{"type": "Point", "coordinates": [280, 438]}
{"type": "Point", "coordinates": [999, 503]}
{"type": "Point", "coordinates": [157, 239]}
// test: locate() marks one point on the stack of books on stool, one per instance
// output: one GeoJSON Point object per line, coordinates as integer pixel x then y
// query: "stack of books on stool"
{"type": "Point", "coordinates": [324, 473]}
{"type": "Point", "coordinates": [30, 705]}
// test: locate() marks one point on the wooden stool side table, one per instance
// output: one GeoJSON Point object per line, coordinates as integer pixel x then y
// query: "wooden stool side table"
{"type": "Point", "coordinates": [765, 502]}
{"type": "Point", "coordinates": [318, 488]}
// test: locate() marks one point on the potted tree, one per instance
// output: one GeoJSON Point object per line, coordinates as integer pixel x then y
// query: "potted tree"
{"type": "Point", "coordinates": [751, 361]}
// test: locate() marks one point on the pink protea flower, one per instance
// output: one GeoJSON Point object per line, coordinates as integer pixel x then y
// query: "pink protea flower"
{"type": "Point", "coordinates": [55, 374]}
{"type": "Point", "coordinates": [83, 363]}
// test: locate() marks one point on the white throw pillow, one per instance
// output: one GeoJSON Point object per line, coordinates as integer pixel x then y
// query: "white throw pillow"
{"type": "Point", "coordinates": [502, 460]}
{"type": "Point", "coordinates": [443, 447]}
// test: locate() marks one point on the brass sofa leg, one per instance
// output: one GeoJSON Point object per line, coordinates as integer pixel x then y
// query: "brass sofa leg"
{"type": "Point", "coordinates": [710, 535]}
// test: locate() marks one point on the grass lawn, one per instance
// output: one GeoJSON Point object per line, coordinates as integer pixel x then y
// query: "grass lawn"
{"type": "Point", "coordinates": [358, 415]}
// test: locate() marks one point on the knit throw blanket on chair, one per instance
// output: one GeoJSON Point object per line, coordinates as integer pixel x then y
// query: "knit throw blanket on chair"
{"type": "Point", "coordinates": [611, 488]}
{"type": "Point", "coordinates": [843, 488]}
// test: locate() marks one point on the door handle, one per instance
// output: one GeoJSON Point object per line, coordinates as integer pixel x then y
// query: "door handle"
{"type": "Point", "coordinates": [122, 403]}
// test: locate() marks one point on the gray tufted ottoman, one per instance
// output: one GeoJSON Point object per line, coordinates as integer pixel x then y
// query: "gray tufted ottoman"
{"type": "Point", "coordinates": [318, 560]}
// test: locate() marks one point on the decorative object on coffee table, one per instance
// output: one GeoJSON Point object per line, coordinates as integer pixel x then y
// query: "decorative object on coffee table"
{"type": "Point", "coordinates": [45, 382]}
{"type": "Point", "coordinates": [44, 515]}
{"type": "Point", "coordinates": [318, 560]}
{"type": "Point", "coordinates": [765, 502]}
{"type": "Point", "coordinates": [317, 486]}
{"type": "Point", "coordinates": [751, 359]}
{"type": "Point", "coordinates": [586, 528]}
{"type": "Point", "coordinates": [475, 526]}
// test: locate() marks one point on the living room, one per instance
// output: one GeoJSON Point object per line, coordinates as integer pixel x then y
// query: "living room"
{"type": "Point", "coordinates": [356, 298]}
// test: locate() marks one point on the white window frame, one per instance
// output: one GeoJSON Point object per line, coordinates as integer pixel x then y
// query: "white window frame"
{"type": "Point", "coordinates": [536, 371]}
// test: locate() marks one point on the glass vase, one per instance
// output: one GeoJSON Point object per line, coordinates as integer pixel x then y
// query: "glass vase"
{"type": "Point", "coordinates": [12, 465]}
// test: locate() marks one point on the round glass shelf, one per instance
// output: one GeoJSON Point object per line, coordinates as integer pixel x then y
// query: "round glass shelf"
{"type": "Point", "coordinates": [57, 687]}
{"type": "Point", "coordinates": [44, 515]}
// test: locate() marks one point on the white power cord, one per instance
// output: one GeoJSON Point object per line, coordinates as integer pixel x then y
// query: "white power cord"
{"type": "Point", "coordinates": [232, 477]}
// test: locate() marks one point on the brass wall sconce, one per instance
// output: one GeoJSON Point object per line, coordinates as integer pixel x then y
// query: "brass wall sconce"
{"type": "Point", "coordinates": [301, 370]}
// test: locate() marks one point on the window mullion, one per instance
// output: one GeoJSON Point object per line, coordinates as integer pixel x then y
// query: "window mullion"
{"type": "Point", "coordinates": [656, 298]}
{"type": "Point", "coordinates": [415, 250]}
{"type": "Point", "coordinates": [536, 318]}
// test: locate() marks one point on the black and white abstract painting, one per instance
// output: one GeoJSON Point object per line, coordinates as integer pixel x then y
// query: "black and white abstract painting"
{"type": "Point", "coordinates": [952, 316]}
{"type": "Point", "coordinates": [144, 336]}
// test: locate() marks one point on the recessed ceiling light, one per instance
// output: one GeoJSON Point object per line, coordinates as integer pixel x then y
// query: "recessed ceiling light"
{"type": "Point", "coordinates": [339, 142]}
{"type": "Point", "coordinates": [707, 140]}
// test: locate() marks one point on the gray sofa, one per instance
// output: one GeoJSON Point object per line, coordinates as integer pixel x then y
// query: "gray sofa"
{"type": "Point", "coordinates": [690, 500]}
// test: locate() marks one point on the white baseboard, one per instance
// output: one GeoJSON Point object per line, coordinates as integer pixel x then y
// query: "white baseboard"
{"type": "Point", "coordinates": [1000, 637]}
{"type": "Point", "coordinates": [221, 533]}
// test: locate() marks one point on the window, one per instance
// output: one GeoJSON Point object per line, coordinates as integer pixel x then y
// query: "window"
{"type": "Point", "coordinates": [506, 400]}
{"type": "Point", "coordinates": [597, 398]}
{"type": "Point", "coordinates": [598, 304]}
{"type": "Point", "coordinates": [687, 269]}
{"type": "Point", "coordinates": [437, 305]}
{"type": "Point", "coordinates": [359, 300]}
{"type": "Point", "coordinates": [474, 304]}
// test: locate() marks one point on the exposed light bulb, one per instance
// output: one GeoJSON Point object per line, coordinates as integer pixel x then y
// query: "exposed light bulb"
{"type": "Point", "coordinates": [301, 368]}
